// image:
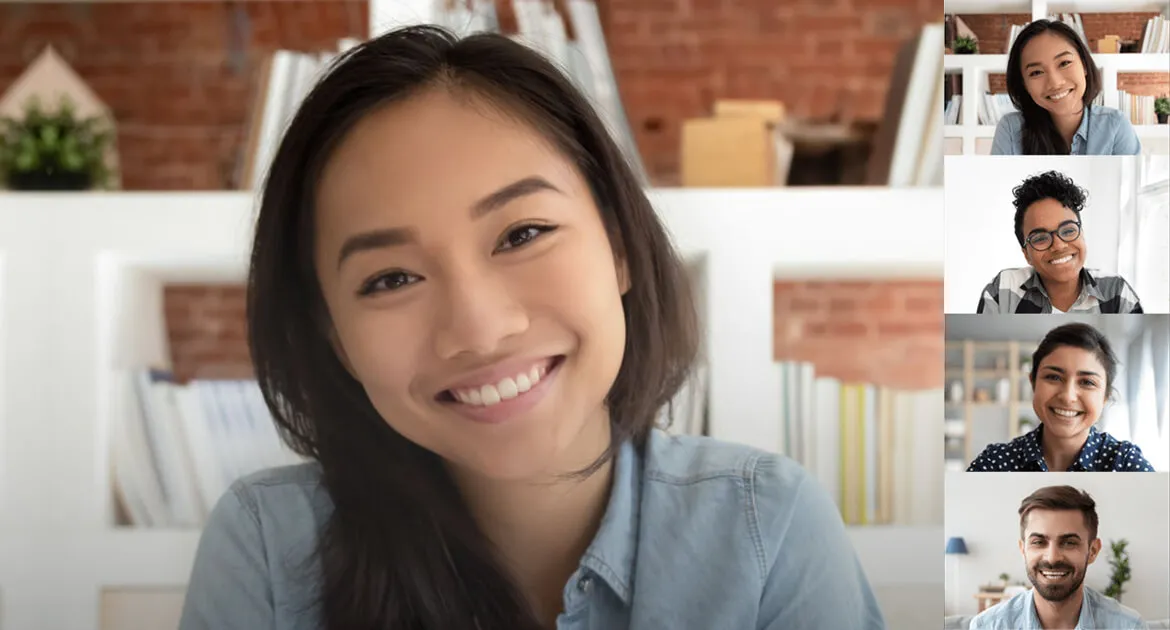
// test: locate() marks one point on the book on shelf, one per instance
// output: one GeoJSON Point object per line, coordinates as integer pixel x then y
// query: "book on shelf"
{"type": "Point", "coordinates": [1156, 36]}
{"type": "Point", "coordinates": [571, 37]}
{"type": "Point", "coordinates": [874, 449]}
{"type": "Point", "coordinates": [178, 447]}
{"type": "Point", "coordinates": [1138, 108]}
{"type": "Point", "coordinates": [953, 109]}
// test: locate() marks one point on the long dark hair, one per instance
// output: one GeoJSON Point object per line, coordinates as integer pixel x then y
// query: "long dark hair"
{"type": "Point", "coordinates": [401, 550]}
{"type": "Point", "coordinates": [1039, 135]}
{"type": "Point", "coordinates": [1078, 335]}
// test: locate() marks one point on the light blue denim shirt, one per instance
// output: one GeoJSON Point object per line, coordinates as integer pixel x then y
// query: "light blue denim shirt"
{"type": "Point", "coordinates": [1098, 612]}
{"type": "Point", "coordinates": [1103, 131]}
{"type": "Point", "coordinates": [698, 534]}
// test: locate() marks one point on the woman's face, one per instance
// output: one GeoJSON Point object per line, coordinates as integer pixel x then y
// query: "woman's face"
{"type": "Point", "coordinates": [1061, 262]}
{"type": "Point", "coordinates": [472, 286]}
{"type": "Point", "coordinates": [1053, 73]}
{"type": "Point", "coordinates": [1069, 392]}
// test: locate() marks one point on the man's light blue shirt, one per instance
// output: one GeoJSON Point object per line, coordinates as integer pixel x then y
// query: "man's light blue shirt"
{"type": "Point", "coordinates": [1098, 612]}
{"type": "Point", "coordinates": [698, 534]}
{"type": "Point", "coordinates": [1103, 131]}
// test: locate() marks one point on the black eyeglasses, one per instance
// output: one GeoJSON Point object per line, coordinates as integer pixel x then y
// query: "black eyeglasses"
{"type": "Point", "coordinates": [1068, 232]}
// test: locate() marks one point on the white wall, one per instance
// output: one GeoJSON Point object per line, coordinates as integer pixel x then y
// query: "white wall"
{"type": "Point", "coordinates": [979, 236]}
{"type": "Point", "coordinates": [983, 509]}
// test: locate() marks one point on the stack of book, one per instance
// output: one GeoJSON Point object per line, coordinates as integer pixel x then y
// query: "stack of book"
{"type": "Point", "coordinates": [572, 39]}
{"type": "Point", "coordinates": [1156, 37]}
{"type": "Point", "coordinates": [878, 451]}
{"type": "Point", "coordinates": [1137, 107]}
{"type": "Point", "coordinates": [178, 447]}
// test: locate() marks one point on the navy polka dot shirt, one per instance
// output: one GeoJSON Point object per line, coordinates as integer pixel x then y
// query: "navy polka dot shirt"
{"type": "Point", "coordinates": [1101, 453]}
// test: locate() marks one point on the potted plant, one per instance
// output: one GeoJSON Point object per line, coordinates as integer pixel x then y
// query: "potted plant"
{"type": "Point", "coordinates": [53, 150]}
{"type": "Point", "coordinates": [1162, 109]}
{"type": "Point", "coordinates": [1005, 578]}
{"type": "Point", "coordinates": [1119, 560]}
{"type": "Point", "coordinates": [966, 45]}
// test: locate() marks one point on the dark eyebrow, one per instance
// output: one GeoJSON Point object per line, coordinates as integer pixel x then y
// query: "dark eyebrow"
{"type": "Point", "coordinates": [1036, 63]}
{"type": "Point", "coordinates": [1060, 537]}
{"type": "Point", "coordinates": [390, 237]}
{"type": "Point", "coordinates": [509, 193]}
{"type": "Point", "coordinates": [1061, 370]}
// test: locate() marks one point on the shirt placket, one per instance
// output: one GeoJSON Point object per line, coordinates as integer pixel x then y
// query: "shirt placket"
{"type": "Point", "coordinates": [578, 594]}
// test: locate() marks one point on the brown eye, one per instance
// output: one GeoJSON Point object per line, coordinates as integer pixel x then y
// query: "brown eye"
{"type": "Point", "coordinates": [391, 281]}
{"type": "Point", "coordinates": [523, 235]}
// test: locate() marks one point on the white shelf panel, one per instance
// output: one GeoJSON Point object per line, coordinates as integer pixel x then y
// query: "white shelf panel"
{"type": "Point", "coordinates": [1152, 131]}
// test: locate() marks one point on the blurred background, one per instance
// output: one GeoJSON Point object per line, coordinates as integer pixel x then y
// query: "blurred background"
{"type": "Point", "coordinates": [815, 124]}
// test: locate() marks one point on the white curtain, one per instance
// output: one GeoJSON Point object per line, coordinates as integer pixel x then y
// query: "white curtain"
{"type": "Point", "coordinates": [1146, 370]}
{"type": "Point", "coordinates": [1143, 250]}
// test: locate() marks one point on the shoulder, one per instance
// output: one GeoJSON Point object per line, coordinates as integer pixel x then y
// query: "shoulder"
{"type": "Point", "coordinates": [1012, 278]}
{"type": "Point", "coordinates": [1123, 456]}
{"type": "Point", "coordinates": [1110, 611]}
{"type": "Point", "coordinates": [282, 504]}
{"type": "Point", "coordinates": [1110, 116]}
{"type": "Point", "coordinates": [1006, 614]}
{"type": "Point", "coordinates": [1012, 121]}
{"type": "Point", "coordinates": [994, 457]}
{"type": "Point", "coordinates": [688, 459]}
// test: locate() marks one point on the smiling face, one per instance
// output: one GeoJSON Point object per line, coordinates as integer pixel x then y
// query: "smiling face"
{"type": "Point", "coordinates": [472, 286]}
{"type": "Point", "coordinates": [1062, 261]}
{"type": "Point", "coordinates": [1057, 551]}
{"type": "Point", "coordinates": [1069, 392]}
{"type": "Point", "coordinates": [1053, 73]}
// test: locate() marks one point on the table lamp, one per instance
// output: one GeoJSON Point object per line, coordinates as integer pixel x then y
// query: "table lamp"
{"type": "Point", "coordinates": [956, 546]}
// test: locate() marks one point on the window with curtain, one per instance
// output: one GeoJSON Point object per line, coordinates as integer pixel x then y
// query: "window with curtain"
{"type": "Point", "coordinates": [1146, 382]}
{"type": "Point", "coordinates": [1144, 248]}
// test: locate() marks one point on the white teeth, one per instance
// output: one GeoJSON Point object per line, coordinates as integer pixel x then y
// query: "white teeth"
{"type": "Point", "coordinates": [1057, 97]}
{"type": "Point", "coordinates": [1061, 261]}
{"type": "Point", "coordinates": [1067, 413]}
{"type": "Point", "coordinates": [506, 389]}
{"type": "Point", "coordinates": [490, 395]}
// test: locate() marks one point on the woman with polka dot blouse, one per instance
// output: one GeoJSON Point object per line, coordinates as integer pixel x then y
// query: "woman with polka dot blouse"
{"type": "Point", "coordinates": [1072, 379]}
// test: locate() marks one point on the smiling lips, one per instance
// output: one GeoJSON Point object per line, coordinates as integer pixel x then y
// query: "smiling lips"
{"type": "Point", "coordinates": [1059, 95]}
{"type": "Point", "coordinates": [1063, 260]}
{"type": "Point", "coordinates": [1066, 413]}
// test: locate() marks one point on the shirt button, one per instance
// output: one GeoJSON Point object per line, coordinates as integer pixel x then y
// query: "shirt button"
{"type": "Point", "coordinates": [584, 584]}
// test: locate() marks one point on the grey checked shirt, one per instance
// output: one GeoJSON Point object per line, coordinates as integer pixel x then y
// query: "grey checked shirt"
{"type": "Point", "coordinates": [1021, 291]}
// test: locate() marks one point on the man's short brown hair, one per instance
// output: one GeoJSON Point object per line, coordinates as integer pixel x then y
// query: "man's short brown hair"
{"type": "Point", "coordinates": [1060, 498]}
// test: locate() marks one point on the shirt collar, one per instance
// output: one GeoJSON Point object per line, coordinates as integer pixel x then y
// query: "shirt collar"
{"type": "Point", "coordinates": [1089, 285]}
{"type": "Point", "coordinates": [1083, 128]}
{"type": "Point", "coordinates": [612, 553]}
{"type": "Point", "coordinates": [1033, 452]}
{"type": "Point", "coordinates": [1084, 620]}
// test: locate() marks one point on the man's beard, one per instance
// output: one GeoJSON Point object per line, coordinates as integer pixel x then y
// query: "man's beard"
{"type": "Point", "coordinates": [1062, 590]}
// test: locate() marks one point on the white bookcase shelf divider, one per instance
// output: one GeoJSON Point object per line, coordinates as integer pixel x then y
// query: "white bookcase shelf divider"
{"type": "Point", "coordinates": [81, 279]}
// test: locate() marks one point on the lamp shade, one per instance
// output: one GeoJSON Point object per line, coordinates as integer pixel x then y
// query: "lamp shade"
{"type": "Point", "coordinates": [956, 545]}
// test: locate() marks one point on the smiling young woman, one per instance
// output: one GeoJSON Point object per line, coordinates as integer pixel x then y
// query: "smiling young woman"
{"type": "Point", "coordinates": [1052, 81]}
{"type": "Point", "coordinates": [1072, 377]}
{"type": "Point", "coordinates": [463, 308]}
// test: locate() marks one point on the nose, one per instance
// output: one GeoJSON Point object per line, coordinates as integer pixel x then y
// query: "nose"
{"type": "Point", "coordinates": [1051, 556]}
{"type": "Point", "coordinates": [476, 313]}
{"type": "Point", "coordinates": [1068, 391]}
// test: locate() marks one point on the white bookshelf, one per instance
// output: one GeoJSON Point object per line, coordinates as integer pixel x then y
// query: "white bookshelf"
{"type": "Point", "coordinates": [1043, 8]}
{"type": "Point", "coordinates": [81, 280]}
{"type": "Point", "coordinates": [976, 68]}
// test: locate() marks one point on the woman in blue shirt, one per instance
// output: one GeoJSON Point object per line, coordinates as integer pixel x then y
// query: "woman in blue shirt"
{"type": "Point", "coordinates": [1052, 81]}
{"type": "Point", "coordinates": [1072, 377]}
{"type": "Point", "coordinates": [464, 310]}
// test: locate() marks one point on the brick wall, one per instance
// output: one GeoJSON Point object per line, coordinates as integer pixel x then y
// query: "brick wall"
{"type": "Point", "coordinates": [177, 75]}
{"type": "Point", "coordinates": [993, 29]}
{"type": "Point", "coordinates": [206, 329]}
{"type": "Point", "coordinates": [882, 332]}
